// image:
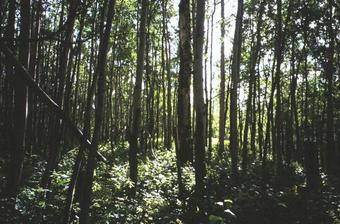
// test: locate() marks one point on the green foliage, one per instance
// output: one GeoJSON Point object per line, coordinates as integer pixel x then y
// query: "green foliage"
{"type": "Point", "coordinates": [157, 201]}
{"type": "Point", "coordinates": [215, 219]}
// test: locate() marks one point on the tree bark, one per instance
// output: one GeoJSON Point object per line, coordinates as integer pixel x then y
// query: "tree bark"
{"type": "Point", "coordinates": [210, 86]}
{"type": "Point", "coordinates": [278, 127]}
{"type": "Point", "coordinates": [252, 85]}
{"type": "Point", "coordinates": [17, 152]}
{"type": "Point", "coordinates": [200, 138]}
{"type": "Point", "coordinates": [222, 87]}
{"type": "Point", "coordinates": [99, 114]}
{"type": "Point", "coordinates": [136, 104]}
{"type": "Point", "coordinates": [56, 124]}
{"type": "Point", "coordinates": [329, 70]}
{"type": "Point", "coordinates": [183, 108]}
{"type": "Point", "coordinates": [235, 77]}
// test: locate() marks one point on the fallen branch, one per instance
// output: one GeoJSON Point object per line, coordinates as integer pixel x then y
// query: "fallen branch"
{"type": "Point", "coordinates": [27, 79]}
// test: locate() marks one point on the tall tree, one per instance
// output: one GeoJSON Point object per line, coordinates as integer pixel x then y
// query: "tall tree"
{"type": "Point", "coordinates": [235, 77]}
{"type": "Point", "coordinates": [200, 138]}
{"type": "Point", "coordinates": [99, 114]}
{"type": "Point", "coordinates": [183, 107]}
{"type": "Point", "coordinates": [329, 70]}
{"type": "Point", "coordinates": [77, 167]}
{"type": "Point", "coordinates": [56, 123]}
{"type": "Point", "coordinates": [17, 152]}
{"type": "Point", "coordinates": [167, 67]}
{"type": "Point", "coordinates": [254, 52]}
{"type": "Point", "coordinates": [222, 86]}
{"type": "Point", "coordinates": [278, 127]}
{"type": "Point", "coordinates": [211, 82]}
{"type": "Point", "coordinates": [9, 71]}
{"type": "Point", "coordinates": [136, 103]}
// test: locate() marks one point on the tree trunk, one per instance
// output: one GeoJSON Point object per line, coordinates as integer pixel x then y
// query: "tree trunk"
{"type": "Point", "coordinates": [99, 114]}
{"type": "Point", "coordinates": [77, 167]}
{"type": "Point", "coordinates": [311, 165]}
{"type": "Point", "coordinates": [235, 77]}
{"type": "Point", "coordinates": [200, 137]}
{"type": "Point", "coordinates": [222, 87]}
{"type": "Point", "coordinates": [183, 108]}
{"type": "Point", "coordinates": [252, 85]}
{"type": "Point", "coordinates": [136, 104]}
{"type": "Point", "coordinates": [17, 152]}
{"type": "Point", "coordinates": [168, 77]}
{"type": "Point", "coordinates": [278, 114]}
{"type": "Point", "coordinates": [329, 70]}
{"type": "Point", "coordinates": [210, 86]}
{"type": "Point", "coordinates": [56, 124]}
{"type": "Point", "coordinates": [8, 85]}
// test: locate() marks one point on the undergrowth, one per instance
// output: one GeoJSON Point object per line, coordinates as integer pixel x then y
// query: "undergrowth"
{"type": "Point", "coordinates": [157, 199]}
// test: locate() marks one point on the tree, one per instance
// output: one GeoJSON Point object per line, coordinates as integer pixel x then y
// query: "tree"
{"type": "Point", "coordinates": [99, 114]}
{"type": "Point", "coordinates": [252, 88]}
{"type": "Point", "coordinates": [235, 77]}
{"type": "Point", "coordinates": [210, 128]}
{"type": "Point", "coordinates": [200, 138]}
{"type": "Point", "coordinates": [329, 70]}
{"type": "Point", "coordinates": [55, 122]}
{"type": "Point", "coordinates": [222, 86]}
{"type": "Point", "coordinates": [136, 103]}
{"type": "Point", "coordinates": [183, 107]}
{"type": "Point", "coordinates": [112, 70]}
{"type": "Point", "coordinates": [20, 106]}
{"type": "Point", "coordinates": [277, 140]}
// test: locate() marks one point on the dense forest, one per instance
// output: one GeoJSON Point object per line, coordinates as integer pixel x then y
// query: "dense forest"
{"type": "Point", "coordinates": [159, 111]}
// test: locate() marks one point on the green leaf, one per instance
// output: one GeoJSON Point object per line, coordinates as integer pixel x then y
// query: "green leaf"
{"type": "Point", "coordinates": [213, 219]}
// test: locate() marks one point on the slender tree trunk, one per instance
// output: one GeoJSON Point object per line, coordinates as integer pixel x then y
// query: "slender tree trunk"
{"type": "Point", "coordinates": [260, 115]}
{"type": "Point", "coordinates": [164, 115]}
{"type": "Point", "coordinates": [168, 77]}
{"type": "Point", "coordinates": [183, 108]}
{"type": "Point", "coordinates": [9, 69]}
{"type": "Point", "coordinates": [252, 85]}
{"type": "Point", "coordinates": [278, 114]}
{"type": "Point", "coordinates": [17, 152]}
{"type": "Point", "coordinates": [200, 138]}
{"type": "Point", "coordinates": [222, 87]}
{"type": "Point", "coordinates": [290, 134]}
{"type": "Point", "coordinates": [99, 114]}
{"type": "Point", "coordinates": [269, 125]}
{"type": "Point", "coordinates": [76, 172]}
{"type": "Point", "coordinates": [56, 124]}
{"type": "Point", "coordinates": [211, 79]}
{"type": "Point", "coordinates": [206, 44]}
{"type": "Point", "coordinates": [136, 104]}
{"type": "Point", "coordinates": [329, 70]}
{"type": "Point", "coordinates": [235, 77]}
{"type": "Point", "coordinates": [32, 70]}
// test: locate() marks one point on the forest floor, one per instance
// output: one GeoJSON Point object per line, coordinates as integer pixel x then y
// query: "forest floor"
{"type": "Point", "coordinates": [157, 201]}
